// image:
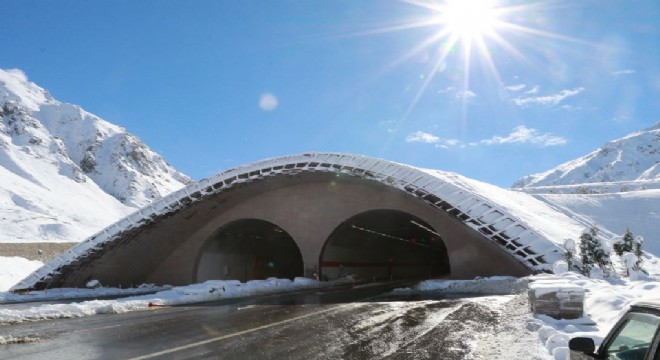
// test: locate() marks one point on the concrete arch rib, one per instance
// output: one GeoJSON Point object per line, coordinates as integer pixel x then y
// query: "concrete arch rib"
{"type": "Point", "coordinates": [437, 189]}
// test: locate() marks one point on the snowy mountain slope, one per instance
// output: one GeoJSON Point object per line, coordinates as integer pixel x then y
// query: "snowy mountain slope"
{"type": "Point", "coordinates": [635, 157]}
{"type": "Point", "coordinates": [65, 173]}
{"type": "Point", "coordinates": [117, 161]}
{"type": "Point", "coordinates": [563, 216]}
{"type": "Point", "coordinates": [615, 187]}
{"type": "Point", "coordinates": [637, 210]}
{"type": "Point", "coordinates": [40, 203]}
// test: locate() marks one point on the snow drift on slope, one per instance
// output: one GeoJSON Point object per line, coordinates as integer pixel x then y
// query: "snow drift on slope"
{"type": "Point", "coordinates": [637, 210]}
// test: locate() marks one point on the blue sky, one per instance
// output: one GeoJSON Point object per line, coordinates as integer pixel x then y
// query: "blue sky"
{"type": "Point", "coordinates": [215, 84]}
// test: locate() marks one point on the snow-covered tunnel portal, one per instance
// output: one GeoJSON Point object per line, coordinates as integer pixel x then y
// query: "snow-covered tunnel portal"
{"type": "Point", "coordinates": [308, 215]}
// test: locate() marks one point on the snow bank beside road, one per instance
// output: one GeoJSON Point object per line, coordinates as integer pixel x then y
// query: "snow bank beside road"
{"type": "Point", "coordinates": [77, 293]}
{"type": "Point", "coordinates": [605, 302]}
{"type": "Point", "coordinates": [208, 291]}
{"type": "Point", "coordinates": [496, 285]}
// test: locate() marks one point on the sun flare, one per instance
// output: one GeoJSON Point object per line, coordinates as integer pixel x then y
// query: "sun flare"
{"type": "Point", "coordinates": [469, 18]}
{"type": "Point", "coordinates": [465, 34]}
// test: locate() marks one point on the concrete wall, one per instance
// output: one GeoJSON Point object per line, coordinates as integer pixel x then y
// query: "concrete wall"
{"type": "Point", "coordinates": [308, 206]}
{"type": "Point", "coordinates": [311, 210]}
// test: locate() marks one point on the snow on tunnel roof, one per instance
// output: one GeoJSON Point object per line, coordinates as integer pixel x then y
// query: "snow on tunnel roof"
{"type": "Point", "coordinates": [523, 226]}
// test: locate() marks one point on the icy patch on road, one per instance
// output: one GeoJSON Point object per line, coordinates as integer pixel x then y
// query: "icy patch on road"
{"type": "Point", "coordinates": [390, 329]}
{"type": "Point", "coordinates": [211, 290]}
{"type": "Point", "coordinates": [420, 329]}
{"type": "Point", "coordinates": [493, 327]}
{"type": "Point", "coordinates": [495, 303]}
{"type": "Point", "coordinates": [605, 302]}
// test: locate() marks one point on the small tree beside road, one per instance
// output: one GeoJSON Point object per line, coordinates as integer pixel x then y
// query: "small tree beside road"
{"type": "Point", "coordinates": [592, 252]}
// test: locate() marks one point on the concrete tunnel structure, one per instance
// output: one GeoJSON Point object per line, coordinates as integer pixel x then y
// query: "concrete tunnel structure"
{"type": "Point", "coordinates": [317, 214]}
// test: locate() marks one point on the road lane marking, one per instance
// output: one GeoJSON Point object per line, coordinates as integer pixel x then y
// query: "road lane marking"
{"type": "Point", "coordinates": [223, 337]}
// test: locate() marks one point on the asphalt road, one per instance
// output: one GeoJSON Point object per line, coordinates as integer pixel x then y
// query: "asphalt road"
{"type": "Point", "coordinates": [334, 323]}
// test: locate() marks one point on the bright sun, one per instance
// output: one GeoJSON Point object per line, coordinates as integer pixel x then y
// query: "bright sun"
{"type": "Point", "coordinates": [465, 30]}
{"type": "Point", "coordinates": [464, 24]}
{"type": "Point", "coordinates": [468, 19]}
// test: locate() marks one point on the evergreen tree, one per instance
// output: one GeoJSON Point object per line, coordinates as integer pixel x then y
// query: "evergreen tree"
{"type": "Point", "coordinates": [569, 246]}
{"type": "Point", "coordinates": [638, 252]}
{"type": "Point", "coordinates": [625, 244]}
{"type": "Point", "coordinates": [601, 257]}
{"type": "Point", "coordinates": [585, 253]}
{"type": "Point", "coordinates": [592, 252]}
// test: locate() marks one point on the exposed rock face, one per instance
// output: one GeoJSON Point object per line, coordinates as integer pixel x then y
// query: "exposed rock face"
{"type": "Point", "coordinates": [65, 172]}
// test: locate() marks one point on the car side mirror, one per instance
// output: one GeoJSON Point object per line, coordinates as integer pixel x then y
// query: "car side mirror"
{"type": "Point", "coordinates": [582, 344]}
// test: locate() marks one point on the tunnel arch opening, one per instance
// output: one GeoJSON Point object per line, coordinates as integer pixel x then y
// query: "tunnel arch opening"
{"type": "Point", "coordinates": [249, 249]}
{"type": "Point", "coordinates": [384, 245]}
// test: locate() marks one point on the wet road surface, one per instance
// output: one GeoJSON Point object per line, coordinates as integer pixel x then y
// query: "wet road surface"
{"type": "Point", "coordinates": [365, 322]}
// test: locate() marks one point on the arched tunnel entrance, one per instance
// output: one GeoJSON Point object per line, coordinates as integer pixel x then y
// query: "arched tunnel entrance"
{"type": "Point", "coordinates": [384, 244]}
{"type": "Point", "coordinates": [249, 249]}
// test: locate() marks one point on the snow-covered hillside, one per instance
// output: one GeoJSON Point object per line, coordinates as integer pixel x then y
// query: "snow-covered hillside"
{"type": "Point", "coordinates": [637, 210]}
{"type": "Point", "coordinates": [632, 162]}
{"type": "Point", "coordinates": [66, 173]}
{"type": "Point", "coordinates": [615, 187]}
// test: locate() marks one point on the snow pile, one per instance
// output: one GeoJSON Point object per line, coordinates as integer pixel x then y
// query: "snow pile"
{"type": "Point", "coordinates": [496, 285]}
{"type": "Point", "coordinates": [66, 173]}
{"type": "Point", "coordinates": [635, 157]}
{"type": "Point", "coordinates": [18, 340]}
{"type": "Point", "coordinates": [221, 289]}
{"type": "Point", "coordinates": [543, 285]}
{"type": "Point", "coordinates": [211, 290]}
{"type": "Point", "coordinates": [605, 302]}
{"type": "Point", "coordinates": [560, 267]}
{"type": "Point", "coordinates": [77, 293]}
{"type": "Point", "coordinates": [13, 269]}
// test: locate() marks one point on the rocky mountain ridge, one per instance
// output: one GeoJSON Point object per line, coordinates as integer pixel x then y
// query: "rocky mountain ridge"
{"type": "Point", "coordinates": [64, 172]}
{"type": "Point", "coordinates": [633, 158]}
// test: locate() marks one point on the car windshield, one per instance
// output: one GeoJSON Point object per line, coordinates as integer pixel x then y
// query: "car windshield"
{"type": "Point", "coordinates": [634, 339]}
